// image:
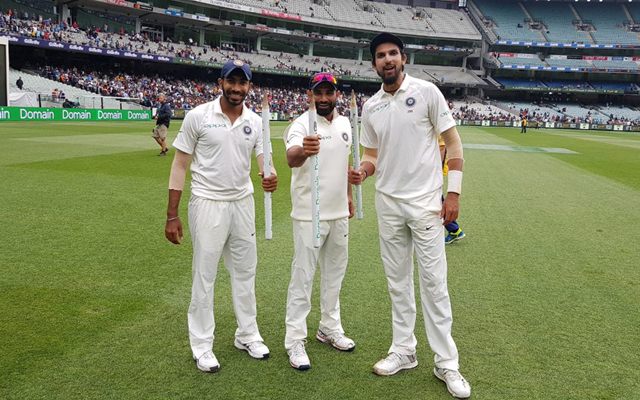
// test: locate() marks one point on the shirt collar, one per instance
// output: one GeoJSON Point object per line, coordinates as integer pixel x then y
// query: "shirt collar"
{"type": "Point", "coordinates": [217, 109]}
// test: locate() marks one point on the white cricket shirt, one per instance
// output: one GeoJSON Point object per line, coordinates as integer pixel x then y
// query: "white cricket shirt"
{"type": "Point", "coordinates": [404, 128]}
{"type": "Point", "coordinates": [221, 152]}
{"type": "Point", "coordinates": [335, 147]}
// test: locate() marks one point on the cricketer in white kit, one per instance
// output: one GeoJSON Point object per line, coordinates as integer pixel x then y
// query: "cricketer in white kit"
{"type": "Point", "coordinates": [400, 128]}
{"type": "Point", "coordinates": [332, 145]}
{"type": "Point", "coordinates": [217, 139]}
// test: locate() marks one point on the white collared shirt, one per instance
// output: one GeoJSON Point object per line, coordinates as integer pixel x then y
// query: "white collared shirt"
{"type": "Point", "coordinates": [221, 164]}
{"type": "Point", "coordinates": [335, 146]}
{"type": "Point", "coordinates": [404, 128]}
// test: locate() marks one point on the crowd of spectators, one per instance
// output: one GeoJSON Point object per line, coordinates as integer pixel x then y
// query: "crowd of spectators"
{"type": "Point", "coordinates": [467, 112]}
{"type": "Point", "coordinates": [535, 115]}
{"type": "Point", "coordinates": [183, 93]}
{"type": "Point", "coordinates": [37, 27]}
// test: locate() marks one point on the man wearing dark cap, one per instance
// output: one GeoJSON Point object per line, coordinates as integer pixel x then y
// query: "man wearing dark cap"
{"type": "Point", "coordinates": [217, 139]}
{"type": "Point", "coordinates": [400, 128]}
{"type": "Point", "coordinates": [332, 144]}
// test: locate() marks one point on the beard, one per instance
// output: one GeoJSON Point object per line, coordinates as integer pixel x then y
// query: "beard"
{"type": "Point", "coordinates": [390, 79]}
{"type": "Point", "coordinates": [323, 112]}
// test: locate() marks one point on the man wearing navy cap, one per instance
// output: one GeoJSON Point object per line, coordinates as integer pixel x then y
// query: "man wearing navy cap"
{"type": "Point", "coordinates": [400, 128]}
{"type": "Point", "coordinates": [216, 139]}
{"type": "Point", "coordinates": [332, 144]}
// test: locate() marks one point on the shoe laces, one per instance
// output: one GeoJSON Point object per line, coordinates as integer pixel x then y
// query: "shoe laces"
{"type": "Point", "coordinates": [207, 356]}
{"type": "Point", "coordinates": [450, 374]}
{"type": "Point", "coordinates": [394, 358]}
{"type": "Point", "coordinates": [297, 350]}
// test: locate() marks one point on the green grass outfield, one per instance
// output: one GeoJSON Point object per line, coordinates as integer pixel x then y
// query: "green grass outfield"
{"type": "Point", "coordinates": [93, 299]}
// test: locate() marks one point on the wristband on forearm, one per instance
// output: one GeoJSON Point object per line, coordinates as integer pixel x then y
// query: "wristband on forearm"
{"type": "Point", "coordinates": [454, 181]}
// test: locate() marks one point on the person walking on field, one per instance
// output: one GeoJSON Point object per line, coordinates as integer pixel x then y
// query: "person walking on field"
{"type": "Point", "coordinates": [332, 144]}
{"type": "Point", "coordinates": [400, 128]}
{"type": "Point", "coordinates": [523, 125]}
{"type": "Point", "coordinates": [163, 119]}
{"type": "Point", "coordinates": [217, 139]}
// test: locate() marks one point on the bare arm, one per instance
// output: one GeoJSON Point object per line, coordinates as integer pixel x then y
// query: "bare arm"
{"type": "Point", "coordinates": [451, 206]}
{"type": "Point", "coordinates": [297, 155]}
{"type": "Point", "coordinates": [173, 227]}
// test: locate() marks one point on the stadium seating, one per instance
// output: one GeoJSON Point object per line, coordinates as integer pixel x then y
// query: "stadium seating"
{"type": "Point", "coordinates": [535, 62]}
{"type": "Point", "coordinates": [368, 15]}
{"type": "Point", "coordinates": [520, 83]}
{"type": "Point", "coordinates": [569, 63]}
{"type": "Point", "coordinates": [608, 23]}
{"type": "Point", "coordinates": [616, 64]}
{"type": "Point", "coordinates": [515, 107]}
{"type": "Point", "coordinates": [620, 112]}
{"type": "Point", "coordinates": [43, 86]}
{"type": "Point", "coordinates": [634, 10]}
{"type": "Point", "coordinates": [577, 110]}
{"type": "Point", "coordinates": [558, 17]}
{"type": "Point", "coordinates": [565, 84]}
{"type": "Point", "coordinates": [509, 19]}
{"type": "Point", "coordinates": [612, 86]}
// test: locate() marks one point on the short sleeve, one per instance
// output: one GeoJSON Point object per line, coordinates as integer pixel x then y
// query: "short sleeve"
{"type": "Point", "coordinates": [439, 111]}
{"type": "Point", "coordinates": [294, 135]}
{"type": "Point", "coordinates": [258, 148]}
{"type": "Point", "coordinates": [368, 137]}
{"type": "Point", "coordinates": [188, 134]}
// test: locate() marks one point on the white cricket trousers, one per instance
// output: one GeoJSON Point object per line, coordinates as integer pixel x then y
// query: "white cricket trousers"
{"type": "Point", "coordinates": [332, 257]}
{"type": "Point", "coordinates": [403, 229]}
{"type": "Point", "coordinates": [227, 229]}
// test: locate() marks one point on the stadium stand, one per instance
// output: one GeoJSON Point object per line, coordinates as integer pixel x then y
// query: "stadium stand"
{"type": "Point", "coordinates": [613, 113]}
{"type": "Point", "coordinates": [509, 20]}
{"type": "Point", "coordinates": [568, 63]}
{"type": "Point", "coordinates": [54, 92]}
{"type": "Point", "coordinates": [530, 61]}
{"type": "Point", "coordinates": [520, 20]}
{"type": "Point", "coordinates": [607, 26]}
{"type": "Point", "coordinates": [520, 83]}
{"type": "Point", "coordinates": [368, 15]}
{"type": "Point", "coordinates": [266, 59]}
{"type": "Point", "coordinates": [472, 109]}
{"type": "Point", "coordinates": [557, 17]}
{"type": "Point", "coordinates": [615, 64]}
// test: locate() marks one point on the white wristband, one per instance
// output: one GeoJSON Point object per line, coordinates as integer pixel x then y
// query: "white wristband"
{"type": "Point", "coordinates": [454, 181]}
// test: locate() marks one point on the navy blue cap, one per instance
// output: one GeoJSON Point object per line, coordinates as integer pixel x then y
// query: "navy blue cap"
{"type": "Point", "coordinates": [232, 65]}
{"type": "Point", "coordinates": [384, 37]}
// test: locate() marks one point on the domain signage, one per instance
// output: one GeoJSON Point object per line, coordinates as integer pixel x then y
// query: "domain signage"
{"type": "Point", "coordinates": [71, 114]}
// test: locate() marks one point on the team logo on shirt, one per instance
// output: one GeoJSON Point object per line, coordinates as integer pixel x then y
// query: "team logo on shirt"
{"type": "Point", "coordinates": [345, 137]}
{"type": "Point", "coordinates": [247, 130]}
{"type": "Point", "coordinates": [410, 102]}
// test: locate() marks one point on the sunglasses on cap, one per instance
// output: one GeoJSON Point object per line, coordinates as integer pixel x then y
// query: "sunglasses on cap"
{"type": "Point", "coordinates": [318, 78]}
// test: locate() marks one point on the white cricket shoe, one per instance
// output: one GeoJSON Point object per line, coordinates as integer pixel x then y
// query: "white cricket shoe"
{"type": "Point", "coordinates": [207, 362]}
{"type": "Point", "coordinates": [298, 356]}
{"type": "Point", "coordinates": [456, 384]}
{"type": "Point", "coordinates": [395, 362]}
{"type": "Point", "coordinates": [255, 349]}
{"type": "Point", "coordinates": [337, 340]}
